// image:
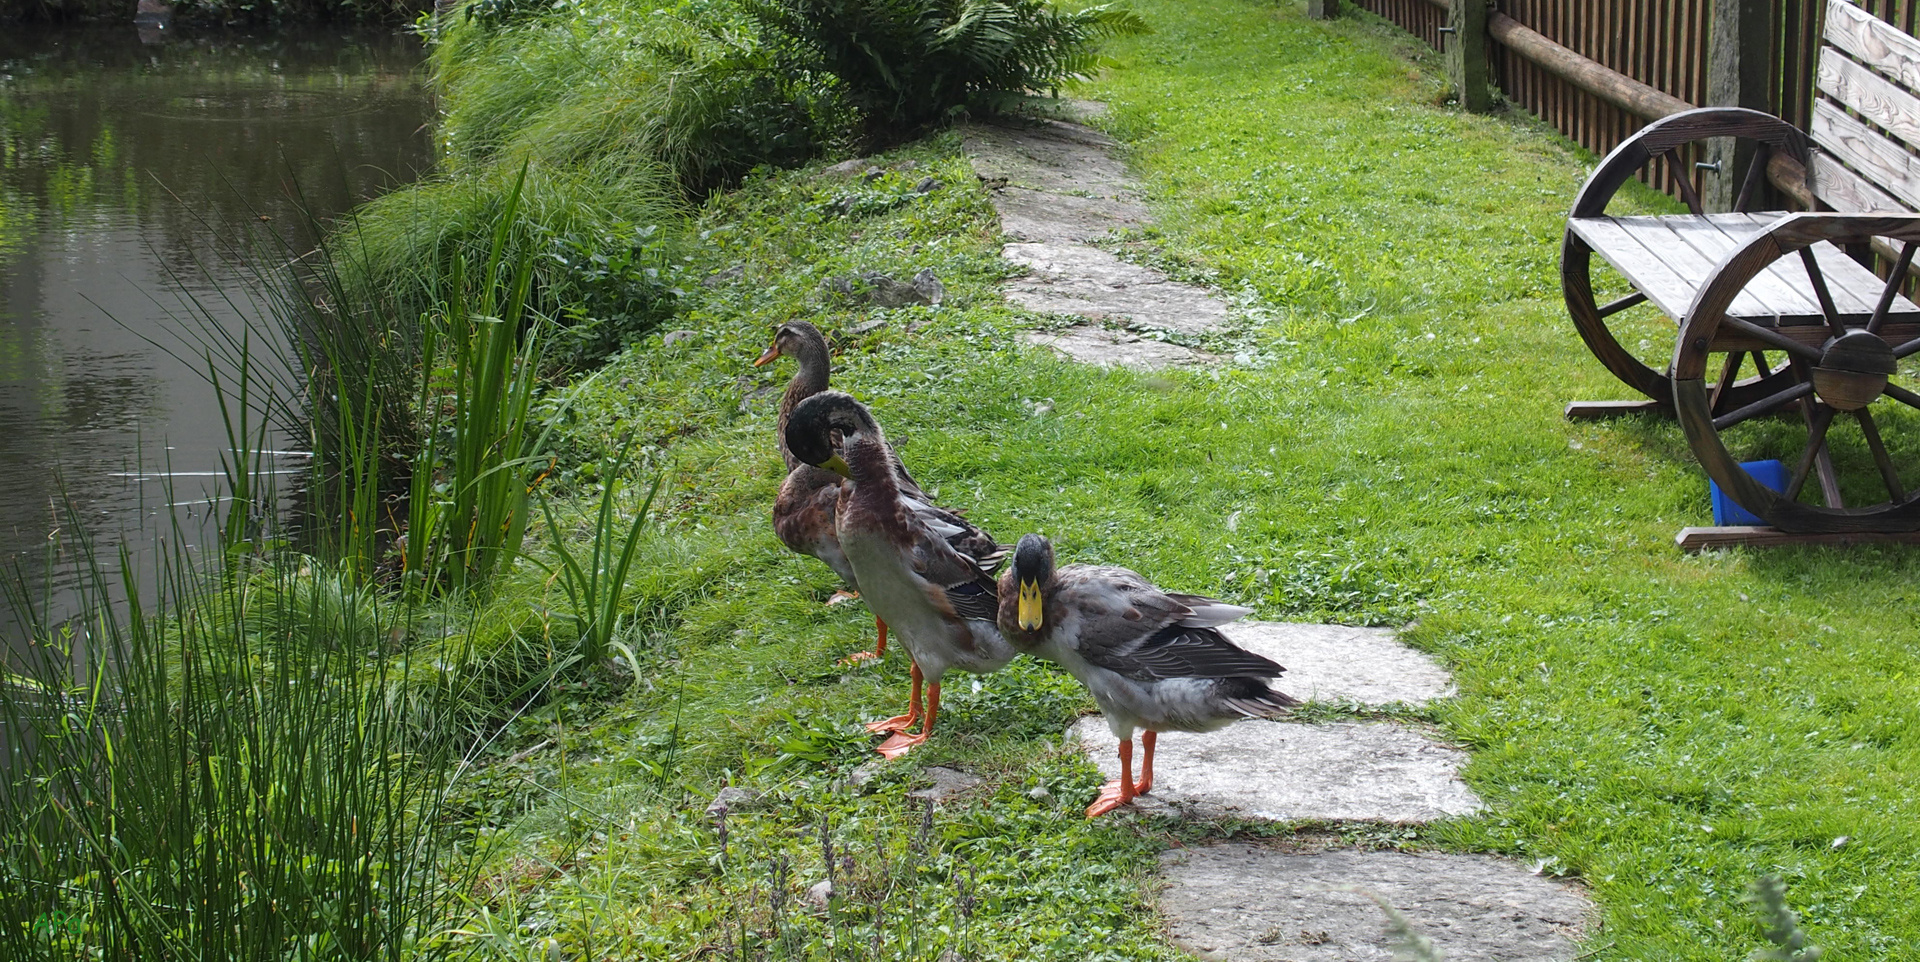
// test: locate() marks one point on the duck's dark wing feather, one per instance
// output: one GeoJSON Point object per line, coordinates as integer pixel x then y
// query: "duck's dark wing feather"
{"type": "Point", "coordinates": [969, 589]}
{"type": "Point", "coordinates": [1178, 651]}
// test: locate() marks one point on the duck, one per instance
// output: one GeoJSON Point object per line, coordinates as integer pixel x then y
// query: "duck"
{"type": "Point", "coordinates": [925, 570]}
{"type": "Point", "coordinates": [1154, 660]}
{"type": "Point", "coordinates": [804, 509]}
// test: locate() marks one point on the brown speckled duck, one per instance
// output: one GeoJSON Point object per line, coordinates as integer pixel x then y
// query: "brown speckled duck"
{"type": "Point", "coordinates": [1154, 660]}
{"type": "Point", "coordinates": [803, 512]}
{"type": "Point", "coordinates": [925, 570]}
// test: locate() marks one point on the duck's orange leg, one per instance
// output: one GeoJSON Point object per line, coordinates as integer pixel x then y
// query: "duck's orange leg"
{"type": "Point", "coordinates": [899, 744]}
{"type": "Point", "coordinates": [1147, 738]}
{"type": "Point", "coordinates": [879, 650]}
{"type": "Point", "coordinates": [900, 723]}
{"type": "Point", "coordinates": [1119, 791]}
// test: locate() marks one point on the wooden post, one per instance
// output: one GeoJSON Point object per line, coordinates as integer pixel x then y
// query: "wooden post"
{"type": "Point", "coordinates": [1466, 52]}
{"type": "Point", "coordinates": [1323, 9]}
{"type": "Point", "coordinates": [1738, 46]}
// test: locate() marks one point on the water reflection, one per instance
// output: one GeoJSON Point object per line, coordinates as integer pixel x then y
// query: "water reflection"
{"type": "Point", "coordinates": [128, 172]}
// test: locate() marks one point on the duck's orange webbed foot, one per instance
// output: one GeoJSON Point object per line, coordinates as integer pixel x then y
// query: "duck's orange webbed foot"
{"type": "Point", "coordinates": [842, 596]}
{"type": "Point", "coordinates": [879, 648]}
{"type": "Point", "coordinates": [1112, 795]}
{"type": "Point", "coordinates": [894, 725]}
{"type": "Point", "coordinates": [900, 744]}
{"type": "Point", "coordinates": [1120, 791]}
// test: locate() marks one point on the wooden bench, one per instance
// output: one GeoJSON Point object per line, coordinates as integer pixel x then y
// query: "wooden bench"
{"type": "Point", "coordinates": [1786, 309]}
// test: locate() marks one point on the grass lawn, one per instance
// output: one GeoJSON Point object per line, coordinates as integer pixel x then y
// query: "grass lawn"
{"type": "Point", "coordinates": [1386, 448]}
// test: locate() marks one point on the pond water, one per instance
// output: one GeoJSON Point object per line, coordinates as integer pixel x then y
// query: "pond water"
{"type": "Point", "coordinates": [133, 165]}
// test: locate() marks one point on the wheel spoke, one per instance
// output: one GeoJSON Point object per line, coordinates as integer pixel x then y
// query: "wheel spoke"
{"type": "Point", "coordinates": [1760, 364]}
{"type": "Point", "coordinates": [1775, 338]}
{"type": "Point", "coordinates": [1682, 179]}
{"type": "Point", "coordinates": [1727, 373]}
{"type": "Point", "coordinates": [1895, 278]}
{"type": "Point", "coordinates": [1880, 456]}
{"type": "Point", "coordinates": [1906, 349]}
{"type": "Point", "coordinates": [1756, 174]}
{"type": "Point", "coordinates": [1765, 405]}
{"type": "Point", "coordinates": [1817, 424]}
{"type": "Point", "coordinates": [1614, 307]}
{"type": "Point", "coordinates": [1819, 282]}
{"type": "Point", "coordinates": [1902, 395]}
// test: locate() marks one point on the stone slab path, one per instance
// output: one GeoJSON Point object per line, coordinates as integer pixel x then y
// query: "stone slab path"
{"type": "Point", "coordinates": [1058, 186]}
{"type": "Point", "coordinates": [1283, 772]}
{"type": "Point", "coordinates": [1252, 903]}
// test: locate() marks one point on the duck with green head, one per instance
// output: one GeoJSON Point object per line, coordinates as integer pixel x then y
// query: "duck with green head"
{"type": "Point", "coordinates": [1154, 660]}
{"type": "Point", "coordinates": [925, 570]}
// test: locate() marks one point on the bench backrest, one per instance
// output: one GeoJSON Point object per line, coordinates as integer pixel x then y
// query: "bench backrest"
{"type": "Point", "coordinates": [1864, 161]}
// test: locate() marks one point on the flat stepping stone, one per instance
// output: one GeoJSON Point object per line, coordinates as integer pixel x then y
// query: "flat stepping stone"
{"type": "Point", "coordinates": [1091, 283]}
{"type": "Point", "coordinates": [1368, 666]}
{"type": "Point", "coordinates": [1104, 347]}
{"type": "Point", "coordinates": [1238, 902]}
{"type": "Point", "coordinates": [1058, 185]}
{"type": "Point", "coordinates": [1285, 771]}
{"type": "Point", "coordinates": [1050, 165]}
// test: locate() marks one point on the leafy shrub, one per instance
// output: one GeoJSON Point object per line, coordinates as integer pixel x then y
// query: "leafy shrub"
{"type": "Point", "coordinates": [907, 64]}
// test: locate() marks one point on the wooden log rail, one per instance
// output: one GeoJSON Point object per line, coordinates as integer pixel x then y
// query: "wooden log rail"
{"type": "Point", "coordinates": [1647, 103]}
{"type": "Point", "coordinates": [1641, 100]}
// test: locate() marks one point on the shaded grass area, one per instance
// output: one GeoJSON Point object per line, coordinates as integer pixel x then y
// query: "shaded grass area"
{"type": "Point", "coordinates": [1386, 449]}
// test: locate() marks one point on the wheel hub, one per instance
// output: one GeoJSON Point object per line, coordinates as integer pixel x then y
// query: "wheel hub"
{"type": "Point", "coordinates": [1853, 370]}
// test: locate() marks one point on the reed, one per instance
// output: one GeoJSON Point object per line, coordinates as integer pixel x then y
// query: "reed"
{"type": "Point", "coordinates": [223, 771]}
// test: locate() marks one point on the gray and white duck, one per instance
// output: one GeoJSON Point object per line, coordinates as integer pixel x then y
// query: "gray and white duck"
{"type": "Point", "coordinates": [925, 570]}
{"type": "Point", "coordinates": [1154, 660]}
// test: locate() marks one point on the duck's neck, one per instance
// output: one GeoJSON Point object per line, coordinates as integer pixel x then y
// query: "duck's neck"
{"type": "Point", "coordinates": [872, 470]}
{"type": "Point", "coordinates": [810, 379]}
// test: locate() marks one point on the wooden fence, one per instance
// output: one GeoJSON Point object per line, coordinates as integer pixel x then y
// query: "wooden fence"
{"type": "Point", "coordinates": [1663, 44]}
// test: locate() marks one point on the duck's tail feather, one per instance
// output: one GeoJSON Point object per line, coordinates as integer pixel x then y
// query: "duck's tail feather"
{"type": "Point", "coordinates": [1251, 697]}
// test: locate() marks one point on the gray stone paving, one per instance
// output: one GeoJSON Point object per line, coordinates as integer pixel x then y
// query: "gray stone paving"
{"type": "Point", "coordinates": [1249, 903]}
{"type": "Point", "coordinates": [1284, 771]}
{"type": "Point", "coordinates": [1106, 347]}
{"type": "Point", "coordinates": [1368, 666]}
{"type": "Point", "coordinates": [1091, 283]}
{"type": "Point", "coordinates": [1058, 185]}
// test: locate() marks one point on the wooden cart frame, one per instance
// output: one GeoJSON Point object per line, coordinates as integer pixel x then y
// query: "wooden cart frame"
{"type": "Point", "coordinates": [1780, 315]}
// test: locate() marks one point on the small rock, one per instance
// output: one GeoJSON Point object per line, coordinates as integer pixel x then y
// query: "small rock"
{"type": "Point", "coordinates": [727, 276]}
{"type": "Point", "coordinates": [928, 286]}
{"type": "Point", "coordinates": [907, 165]}
{"type": "Point", "coordinates": [678, 337]}
{"type": "Point", "coordinates": [951, 956]}
{"type": "Point", "coordinates": [1039, 793]}
{"type": "Point", "coordinates": [860, 330]}
{"type": "Point", "coordinates": [872, 174]}
{"type": "Point", "coordinates": [860, 776]}
{"type": "Point", "coordinates": [846, 168]}
{"type": "Point", "coordinates": [733, 798]}
{"type": "Point", "coordinates": [947, 782]}
{"type": "Point", "coordinates": [928, 185]}
{"type": "Point", "coordinates": [818, 894]}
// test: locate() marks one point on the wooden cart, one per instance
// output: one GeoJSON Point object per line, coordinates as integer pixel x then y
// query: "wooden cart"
{"type": "Point", "coordinates": [1789, 344]}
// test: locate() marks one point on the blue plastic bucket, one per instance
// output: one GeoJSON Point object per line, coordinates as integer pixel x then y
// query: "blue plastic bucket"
{"type": "Point", "coordinates": [1773, 474]}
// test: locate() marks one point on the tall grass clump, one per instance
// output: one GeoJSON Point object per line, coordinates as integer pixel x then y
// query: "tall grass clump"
{"type": "Point", "coordinates": [222, 772]}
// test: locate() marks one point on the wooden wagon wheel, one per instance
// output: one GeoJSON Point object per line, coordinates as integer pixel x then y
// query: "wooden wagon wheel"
{"type": "Point", "coordinates": [1843, 376]}
{"type": "Point", "coordinates": [1662, 142]}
